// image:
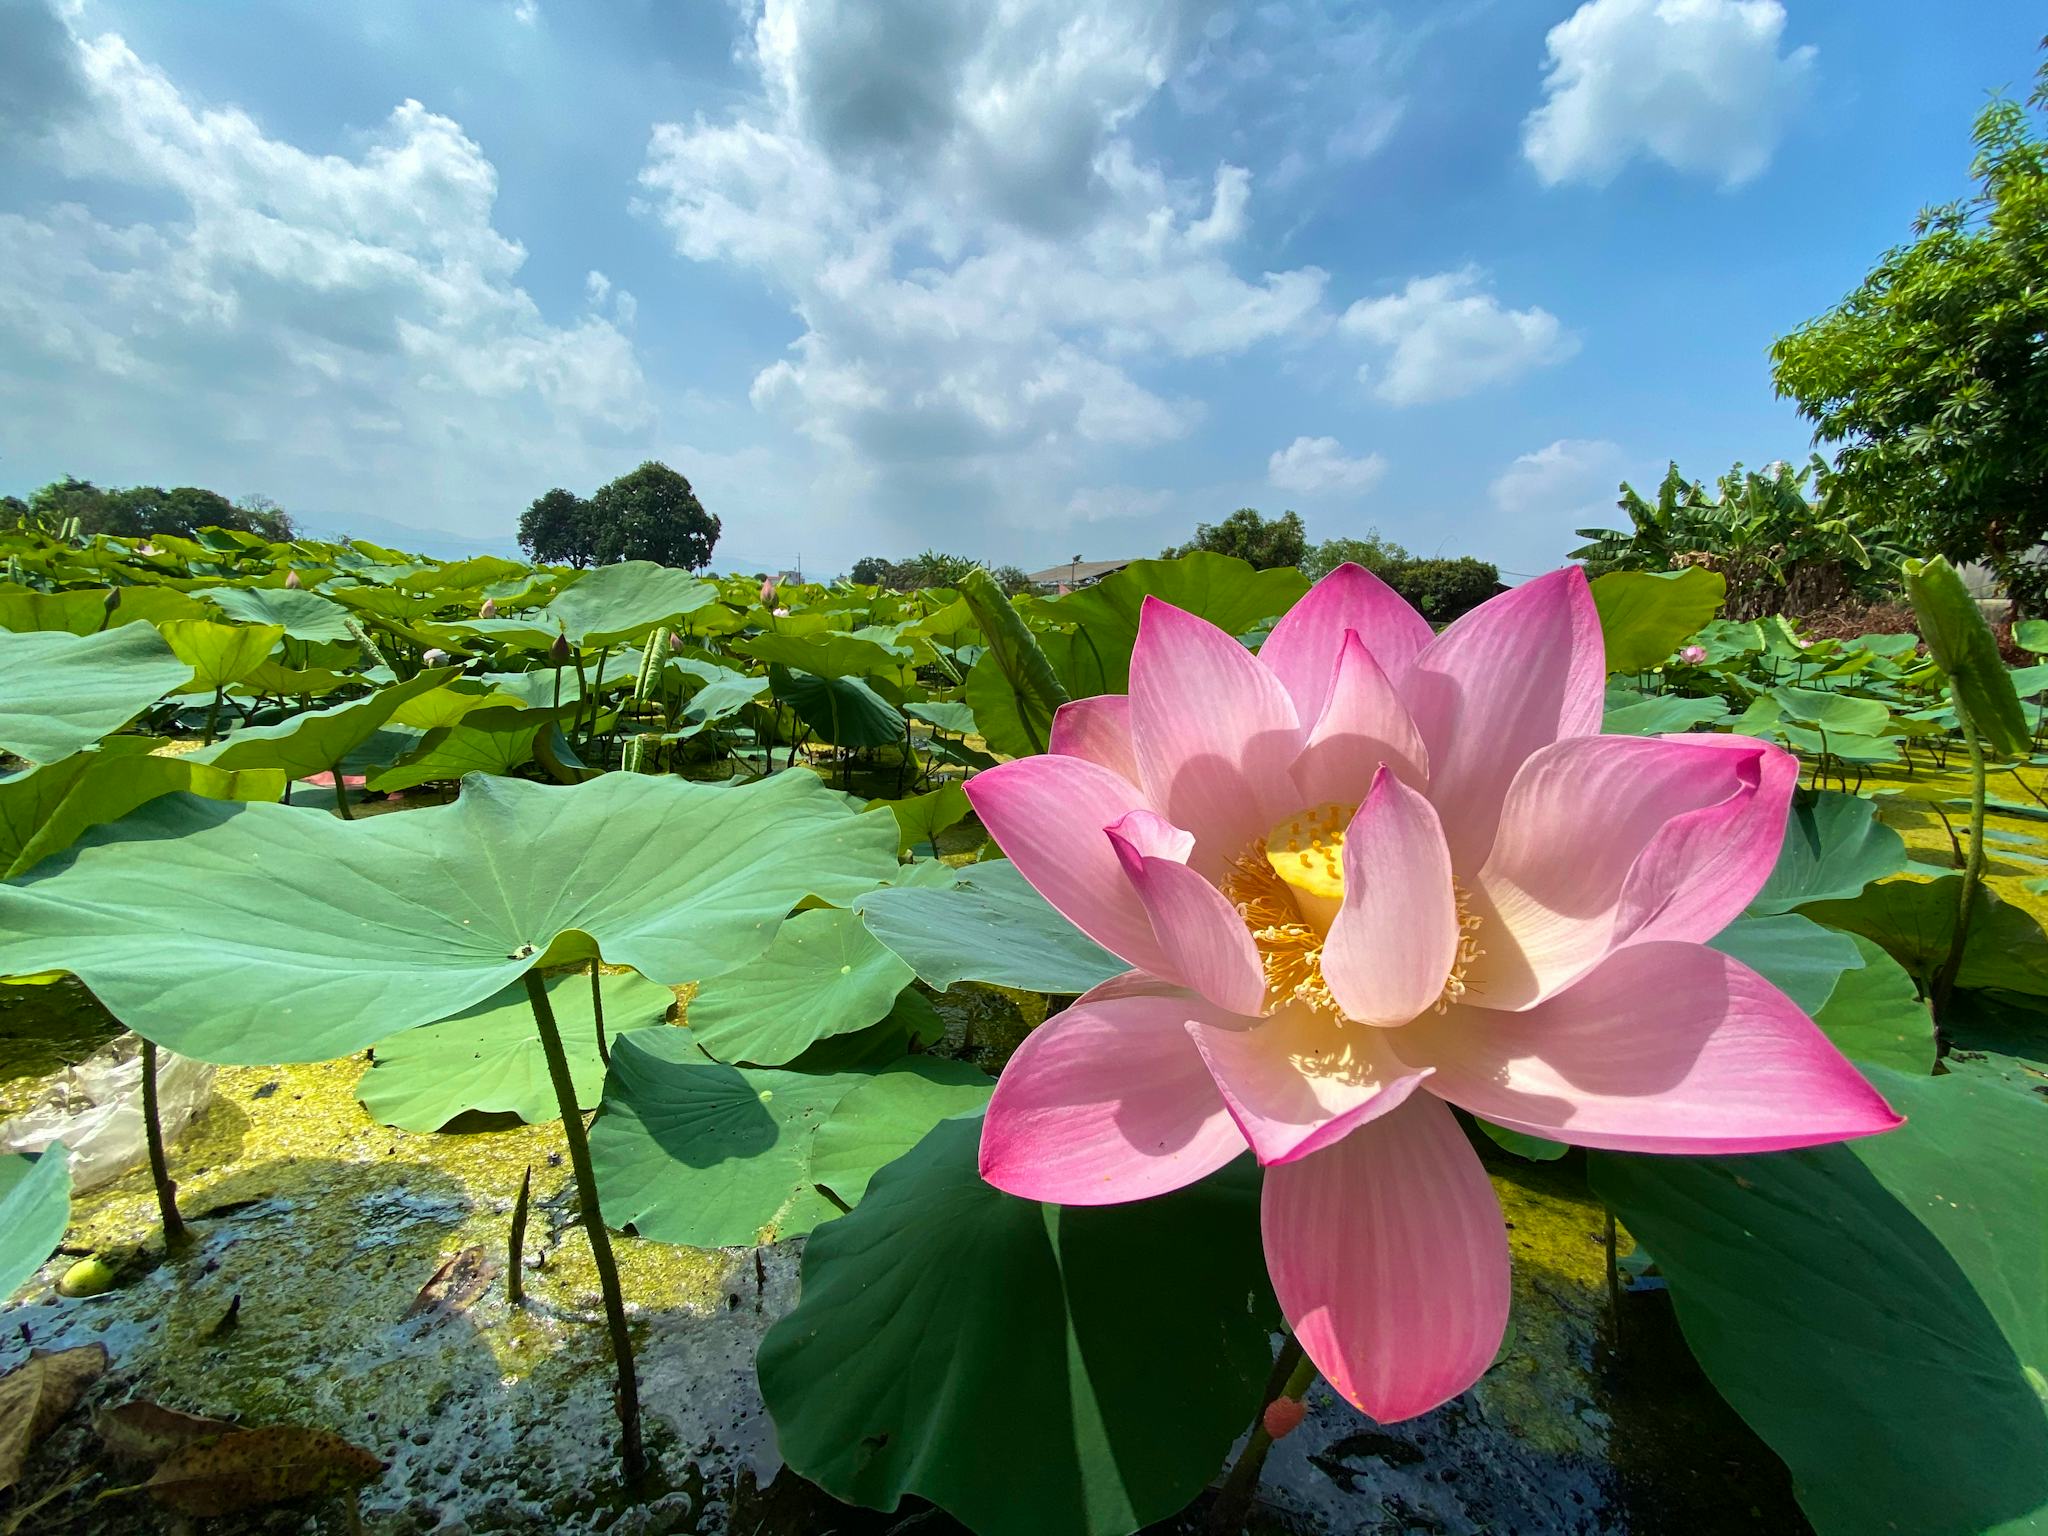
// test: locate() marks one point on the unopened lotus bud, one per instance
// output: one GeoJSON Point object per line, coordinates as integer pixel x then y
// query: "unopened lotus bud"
{"type": "Point", "coordinates": [434, 657]}
{"type": "Point", "coordinates": [675, 642]}
{"type": "Point", "coordinates": [489, 610]}
{"type": "Point", "coordinates": [559, 651]}
{"type": "Point", "coordinates": [113, 599]}
{"type": "Point", "coordinates": [1693, 655]}
{"type": "Point", "coordinates": [767, 591]}
{"type": "Point", "coordinates": [291, 580]}
{"type": "Point", "coordinates": [1284, 1416]}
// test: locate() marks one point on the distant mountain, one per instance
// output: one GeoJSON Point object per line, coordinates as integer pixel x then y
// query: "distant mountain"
{"type": "Point", "coordinates": [434, 542]}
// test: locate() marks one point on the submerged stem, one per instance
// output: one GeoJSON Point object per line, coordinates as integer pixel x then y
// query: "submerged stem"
{"type": "Point", "coordinates": [1293, 1374]}
{"type": "Point", "coordinates": [176, 1234]}
{"type": "Point", "coordinates": [631, 1453]}
{"type": "Point", "coordinates": [1973, 869]}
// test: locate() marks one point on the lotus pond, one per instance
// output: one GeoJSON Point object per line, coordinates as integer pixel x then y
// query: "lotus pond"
{"type": "Point", "coordinates": [500, 1048]}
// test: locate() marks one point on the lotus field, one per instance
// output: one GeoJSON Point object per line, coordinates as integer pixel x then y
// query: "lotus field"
{"type": "Point", "coordinates": [1063, 1042]}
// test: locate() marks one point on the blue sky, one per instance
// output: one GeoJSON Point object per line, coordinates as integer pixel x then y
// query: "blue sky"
{"type": "Point", "coordinates": [1017, 280]}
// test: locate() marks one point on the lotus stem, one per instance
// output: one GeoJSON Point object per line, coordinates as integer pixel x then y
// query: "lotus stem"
{"type": "Point", "coordinates": [1973, 869]}
{"type": "Point", "coordinates": [515, 1269]}
{"type": "Point", "coordinates": [604, 1053]}
{"type": "Point", "coordinates": [176, 1233]}
{"type": "Point", "coordinates": [212, 718]}
{"type": "Point", "coordinates": [632, 1454]}
{"type": "Point", "coordinates": [341, 796]}
{"type": "Point", "coordinates": [1295, 1373]}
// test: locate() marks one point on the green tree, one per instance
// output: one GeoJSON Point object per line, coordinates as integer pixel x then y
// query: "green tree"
{"type": "Point", "coordinates": [139, 511]}
{"type": "Point", "coordinates": [556, 530]}
{"type": "Point", "coordinates": [1377, 554]}
{"type": "Point", "coordinates": [1258, 541]}
{"type": "Point", "coordinates": [1932, 377]}
{"type": "Point", "coordinates": [652, 514]}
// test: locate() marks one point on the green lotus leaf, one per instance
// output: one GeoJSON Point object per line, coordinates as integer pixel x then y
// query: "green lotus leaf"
{"type": "Point", "coordinates": [219, 654]}
{"type": "Point", "coordinates": [957, 718]}
{"type": "Point", "coordinates": [274, 679]}
{"type": "Point", "coordinates": [384, 603]}
{"type": "Point", "coordinates": [1121, 1348]}
{"type": "Point", "coordinates": [60, 692]}
{"type": "Point", "coordinates": [843, 711]}
{"type": "Point", "coordinates": [1962, 644]}
{"type": "Point", "coordinates": [449, 752]}
{"type": "Point", "coordinates": [314, 742]}
{"type": "Point", "coordinates": [886, 1116]}
{"type": "Point", "coordinates": [1877, 1308]}
{"type": "Point", "coordinates": [47, 809]}
{"type": "Point", "coordinates": [689, 1150]}
{"type": "Point", "coordinates": [1915, 922]}
{"type": "Point", "coordinates": [1876, 1014]}
{"type": "Point", "coordinates": [1834, 847]}
{"type": "Point", "coordinates": [1797, 956]}
{"type": "Point", "coordinates": [1835, 713]}
{"type": "Point", "coordinates": [470, 575]}
{"type": "Point", "coordinates": [302, 615]}
{"type": "Point", "coordinates": [611, 605]}
{"type": "Point", "coordinates": [823, 975]}
{"type": "Point", "coordinates": [829, 655]}
{"type": "Point", "coordinates": [1630, 713]}
{"type": "Point", "coordinates": [986, 925]}
{"type": "Point", "coordinates": [301, 936]}
{"type": "Point", "coordinates": [489, 1057]}
{"type": "Point", "coordinates": [35, 1208]}
{"type": "Point", "coordinates": [85, 613]}
{"type": "Point", "coordinates": [1646, 615]}
{"type": "Point", "coordinates": [921, 818]}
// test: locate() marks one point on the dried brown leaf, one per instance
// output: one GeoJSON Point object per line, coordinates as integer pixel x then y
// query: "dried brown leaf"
{"type": "Point", "coordinates": [249, 1468]}
{"type": "Point", "coordinates": [148, 1432]}
{"type": "Point", "coordinates": [452, 1287]}
{"type": "Point", "coordinates": [36, 1394]}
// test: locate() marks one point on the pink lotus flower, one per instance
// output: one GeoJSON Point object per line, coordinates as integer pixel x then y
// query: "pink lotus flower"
{"type": "Point", "coordinates": [1693, 655]}
{"type": "Point", "coordinates": [1363, 876]}
{"type": "Point", "coordinates": [768, 592]}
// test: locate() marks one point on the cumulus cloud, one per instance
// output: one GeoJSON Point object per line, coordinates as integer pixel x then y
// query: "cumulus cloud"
{"type": "Point", "coordinates": [1113, 503]}
{"type": "Point", "coordinates": [1445, 336]}
{"type": "Point", "coordinates": [987, 273]}
{"type": "Point", "coordinates": [1317, 466]}
{"type": "Point", "coordinates": [1700, 85]}
{"type": "Point", "coordinates": [315, 326]}
{"type": "Point", "coordinates": [1543, 498]}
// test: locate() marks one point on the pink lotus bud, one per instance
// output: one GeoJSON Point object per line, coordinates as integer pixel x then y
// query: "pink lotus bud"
{"type": "Point", "coordinates": [767, 591]}
{"type": "Point", "coordinates": [291, 580]}
{"type": "Point", "coordinates": [1805, 644]}
{"type": "Point", "coordinates": [558, 653]}
{"type": "Point", "coordinates": [489, 610]}
{"type": "Point", "coordinates": [1693, 655]}
{"type": "Point", "coordinates": [1284, 1416]}
{"type": "Point", "coordinates": [435, 657]}
{"type": "Point", "coordinates": [675, 641]}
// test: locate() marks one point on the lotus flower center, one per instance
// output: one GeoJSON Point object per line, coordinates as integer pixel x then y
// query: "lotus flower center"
{"type": "Point", "coordinates": [1288, 887]}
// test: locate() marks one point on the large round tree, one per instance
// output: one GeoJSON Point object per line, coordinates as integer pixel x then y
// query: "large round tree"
{"type": "Point", "coordinates": [556, 530]}
{"type": "Point", "coordinates": [652, 514]}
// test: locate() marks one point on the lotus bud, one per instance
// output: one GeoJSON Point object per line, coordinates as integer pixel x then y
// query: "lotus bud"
{"type": "Point", "coordinates": [1805, 644]}
{"type": "Point", "coordinates": [782, 613]}
{"type": "Point", "coordinates": [1693, 655]}
{"type": "Point", "coordinates": [559, 651]}
{"type": "Point", "coordinates": [434, 657]}
{"type": "Point", "coordinates": [113, 599]}
{"type": "Point", "coordinates": [675, 642]}
{"type": "Point", "coordinates": [1284, 1416]}
{"type": "Point", "coordinates": [291, 580]}
{"type": "Point", "coordinates": [489, 610]}
{"type": "Point", "coordinates": [768, 592]}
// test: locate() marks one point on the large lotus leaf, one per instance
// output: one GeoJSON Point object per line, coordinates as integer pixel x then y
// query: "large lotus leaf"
{"type": "Point", "coordinates": [1120, 1348]}
{"type": "Point", "coordinates": [381, 602]}
{"type": "Point", "coordinates": [274, 678]}
{"type": "Point", "coordinates": [1630, 713]}
{"type": "Point", "coordinates": [889, 1114]}
{"type": "Point", "coordinates": [1838, 714]}
{"type": "Point", "coordinates": [1646, 615]}
{"type": "Point", "coordinates": [823, 975]}
{"type": "Point", "coordinates": [47, 809]}
{"type": "Point", "coordinates": [1834, 847]}
{"type": "Point", "coordinates": [489, 1057]}
{"type": "Point", "coordinates": [451, 751]}
{"type": "Point", "coordinates": [607, 606]}
{"type": "Point", "coordinates": [844, 711]}
{"type": "Point", "coordinates": [921, 818]}
{"type": "Point", "coordinates": [1013, 686]}
{"type": "Point", "coordinates": [466, 575]}
{"type": "Point", "coordinates": [690, 1150]}
{"type": "Point", "coordinates": [219, 654]}
{"type": "Point", "coordinates": [1797, 956]}
{"type": "Point", "coordinates": [1915, 921]}
{"type": "Point", "coordinates": [1875, 1014]}
{"type": "Point", "coordinates": [314, 742]}
{"type": "Point", "coordinates": [300, 936]}
{"type": "Point", "coordinates": [943, 716]}
{"type": "Point", "coordinates": [452, 702]}
{"type": "Point", "coordinates": [35, 1208]}
{"type": "Point", "coordinates": [1878, 1309]}
{"type": "Point", "coordinates": [829, 655]}
{"type": "Point", "coordinates": [85, 612]}
{"type": "Point", "coordinates": [60, 692]}
{"type": "Point", "coordinates": [1962, 644]}
{"type": "Point", "coordinates": [302, 615]}
{"type": "Point", "coordinates": [988, 925]}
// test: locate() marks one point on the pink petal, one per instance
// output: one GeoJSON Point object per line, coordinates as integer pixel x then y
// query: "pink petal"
{"type": "Point", "coordinates": [1299, 1081]}
{"type": "Point", "coordinates": [1665, 1047]}
{"type": "Point", "coordinates": [1048, 814]}
{"type": "Point", "coordinates": [1610, 840]}
{"type": "Point", "coordinates": [1395, 938]}
{"type": "Point", "coordinates": [1515, 674]}
{"type": "Point", "coordinates": [1204, 938]}
{"type": "Point", "coordinates": [1390, 1259]}
{"type": "Point", "coordinates": [1303, 648]}
{"type": "Point", "coordinates": [1098, 729]}
{"type": "Point", "coordinates": [1108, 1101]}
{"type": "Point", "coordinates": [1214, 734]}
{"type": "Point", "coordinates": [1363, 725]}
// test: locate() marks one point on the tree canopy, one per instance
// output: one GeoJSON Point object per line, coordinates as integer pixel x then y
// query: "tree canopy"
{"type": "Point", "coordinates": [1259, 541]}
{"type": "Point", "coordinates": [930, 568]}
{"type": "Point", "coordinates": [139, 511]}
{"type": "Point", "coordinates": [649, 514]}
{"type": "Point", "coordinates": [1932, 377]}
{"type": "Point", "coordinates": [555, 529]}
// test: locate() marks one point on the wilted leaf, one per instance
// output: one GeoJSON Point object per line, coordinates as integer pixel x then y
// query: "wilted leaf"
{"type": "Point", "coordinates": [452, 1288]}
{"type": "Point", "coordinates": [251, 1468]}
{"type": "Point", "coordinates": [148, 1432]}
{"type": "Point", "coordinates": [39, 1392]}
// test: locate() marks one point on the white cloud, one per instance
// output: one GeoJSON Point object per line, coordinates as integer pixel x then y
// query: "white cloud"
{"type": "Point", "coordinates": [318, 327]}
{"type": "Point", "coordinates": [526, 12]}
{"type": "Point", "coordinates": [1698, 84]}
{"type": "Point", "coordinates": [987, 274]}
{"type": "Point", "coordinates": [1542, 499]}
{"type": "Point", "coordinates": [1317, 465]}
{"type": "Point", "coordinates": [1115, 503]}
{"type": "Point", "coordinates": [1446, 337]}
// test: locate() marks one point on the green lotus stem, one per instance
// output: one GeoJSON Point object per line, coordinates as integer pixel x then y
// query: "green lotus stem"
{"type": "Point", "coordinates": [515, 1270]}
{"type": "Point", "coordinates": [212, 719]}
{"type": "Point", "coordinates": [341, 796]}
{"type": "Point", "coordinates": [582, 689]}
{"type": "Point", "coordinates": [597, 1012]}
{"type": "Point", "coordinates": [1973, 869]}
{"type": "Point", "coordinates": [632, 1454]}
{"type": "Point", "coordinates": [1296, 1373]}
{"type": "Point", "coordinates": [597, 686]}
{"type": "Point", "coordinates": [176, 1233]}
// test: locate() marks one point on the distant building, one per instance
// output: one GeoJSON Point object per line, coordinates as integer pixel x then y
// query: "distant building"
{"type": "Point", "coordinates": [1077, 573]}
